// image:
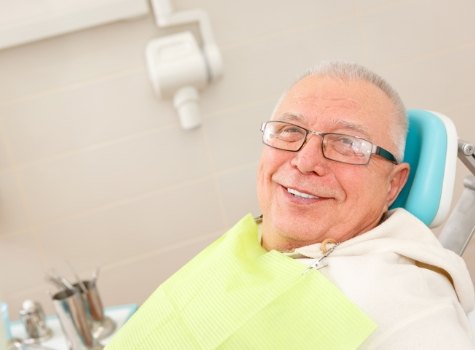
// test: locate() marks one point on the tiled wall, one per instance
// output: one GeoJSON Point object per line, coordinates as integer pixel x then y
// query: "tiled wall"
{"type": "Point", "coordinates": [95, 170]}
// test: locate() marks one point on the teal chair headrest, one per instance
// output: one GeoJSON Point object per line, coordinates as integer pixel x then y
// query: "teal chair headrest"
{"type": "Point", "coordinates": [431, 151]}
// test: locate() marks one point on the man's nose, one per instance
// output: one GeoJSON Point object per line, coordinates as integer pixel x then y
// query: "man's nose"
{"type": "Point", "coordinates": [310, 157]}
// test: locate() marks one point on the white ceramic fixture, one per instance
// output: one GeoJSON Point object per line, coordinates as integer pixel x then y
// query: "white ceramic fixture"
{"type": "Point", "coordinates": [178, 67]}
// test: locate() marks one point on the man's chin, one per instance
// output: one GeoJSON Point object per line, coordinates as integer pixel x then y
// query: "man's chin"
{"type": "Point", "coordinates": [299, 233]}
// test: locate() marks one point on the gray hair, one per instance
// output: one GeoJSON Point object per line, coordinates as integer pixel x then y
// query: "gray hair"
{"type": "Point", "coordinates": [354, 72]}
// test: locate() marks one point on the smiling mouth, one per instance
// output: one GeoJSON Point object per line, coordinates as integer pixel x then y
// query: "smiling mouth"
{"type": "Point", "coordinates": [301, 194]}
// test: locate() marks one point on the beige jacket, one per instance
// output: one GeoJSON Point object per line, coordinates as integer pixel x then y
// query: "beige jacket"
{"type": "Point", "coordinates": [399, 274]}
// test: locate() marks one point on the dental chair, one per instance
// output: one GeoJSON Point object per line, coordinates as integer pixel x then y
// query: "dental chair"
{"type": "Point", "coordinates": [432, 148]}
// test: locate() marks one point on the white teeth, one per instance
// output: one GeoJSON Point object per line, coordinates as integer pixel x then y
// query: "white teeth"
{"type": "Point", "coordinates": [300, 194]}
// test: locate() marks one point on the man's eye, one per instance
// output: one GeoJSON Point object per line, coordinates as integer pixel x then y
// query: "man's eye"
{"type": "Point", "coordinates": [348, 144]}
{"type": "Point", "coordinates": [347, 141]}
{"type": "Point", "coordinates": [291, 130]}
{"type": "Point", "coordinates": [291, 133]}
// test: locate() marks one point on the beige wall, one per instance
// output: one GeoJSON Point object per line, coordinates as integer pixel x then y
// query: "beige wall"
{"type": "Point", "coordinates": [95, 170]}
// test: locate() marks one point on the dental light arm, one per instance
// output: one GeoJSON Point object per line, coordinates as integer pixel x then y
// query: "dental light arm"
{"type": "Point", "coordinates": [166, 17]}
{"type": "Point", "coordinates": [177, 66]}
{"type": "Point", "coordinates": [460, 226]}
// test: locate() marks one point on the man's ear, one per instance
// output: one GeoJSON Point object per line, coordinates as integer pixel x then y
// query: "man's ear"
{"type": "Point", "coordinates": [397, 180]}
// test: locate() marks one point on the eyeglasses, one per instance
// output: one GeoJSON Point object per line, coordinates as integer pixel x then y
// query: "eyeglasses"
{"type": "Point", "coordinates": [339, 147]}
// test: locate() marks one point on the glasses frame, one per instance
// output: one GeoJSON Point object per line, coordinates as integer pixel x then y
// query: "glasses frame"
{"type": "Point", "coordinates": [375, 149]}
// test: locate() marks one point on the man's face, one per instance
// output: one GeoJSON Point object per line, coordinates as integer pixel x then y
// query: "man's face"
{"type": "Point", "coordinates": [336, 200]}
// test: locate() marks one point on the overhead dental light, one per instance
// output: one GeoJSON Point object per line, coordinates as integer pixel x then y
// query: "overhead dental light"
{"type": "Point", "coordinates": [178, 67]}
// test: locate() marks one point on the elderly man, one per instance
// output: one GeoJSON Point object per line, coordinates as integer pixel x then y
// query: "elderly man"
{"type": "Point", "coordinates": [327, 265]}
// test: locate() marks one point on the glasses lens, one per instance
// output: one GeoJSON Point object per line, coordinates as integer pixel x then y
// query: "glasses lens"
{"type": "Point", "coordinates": [283, 135]}
{"type": "Point", "coordinates": [346, 149]}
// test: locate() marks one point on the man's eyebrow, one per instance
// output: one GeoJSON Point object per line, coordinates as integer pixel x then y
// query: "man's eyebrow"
{"type": "Point", "coordinates": [291, 117]}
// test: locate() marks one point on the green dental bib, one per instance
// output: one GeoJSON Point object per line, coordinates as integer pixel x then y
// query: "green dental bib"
{"type": "Point", "coordinates": [237, 295]}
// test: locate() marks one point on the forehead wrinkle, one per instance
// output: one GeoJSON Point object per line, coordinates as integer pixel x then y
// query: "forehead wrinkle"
{"type": "Point", "coordinates": [292, 117]}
